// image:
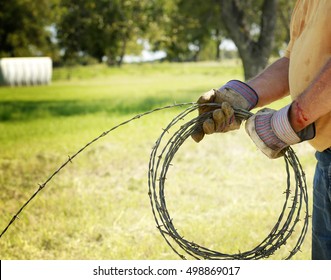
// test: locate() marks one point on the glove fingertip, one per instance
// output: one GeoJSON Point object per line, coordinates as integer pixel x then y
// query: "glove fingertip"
{"type": "Point", "coordinates": [197, 137]}
{"type": "Point", "coordinates": [208, 126]}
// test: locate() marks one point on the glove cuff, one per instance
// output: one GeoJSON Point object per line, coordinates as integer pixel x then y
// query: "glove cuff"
{"type": "Point", "coordinates": [260, 130]}
{"type": "Point", "coordinates": [244, 90]}
{"type": "Point", "coordinates": [307, 133]}
{"type": "Point", "coordinates": [282, 128]}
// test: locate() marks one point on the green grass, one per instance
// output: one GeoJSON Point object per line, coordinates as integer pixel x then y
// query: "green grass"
{"type": "Point", "coordinates": [222, 193]}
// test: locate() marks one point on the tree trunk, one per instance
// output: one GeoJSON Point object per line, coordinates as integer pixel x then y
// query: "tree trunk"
{"type": "Point", "coordinates": [218, 45]}
{"type": "Point", "coordinates": [253, 62]}
{"type": "Point", "coordinates": [253, 52]}
{"type": "Point", "coordinates": [123, 51]}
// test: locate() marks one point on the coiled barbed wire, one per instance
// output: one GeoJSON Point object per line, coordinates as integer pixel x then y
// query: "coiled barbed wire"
{"type": "Point", "coordinates": [158, 167]}
{"type": "Point", "coordinates": [160, 161]}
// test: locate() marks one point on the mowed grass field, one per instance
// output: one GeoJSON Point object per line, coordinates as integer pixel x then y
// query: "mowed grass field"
{"type": "Point", "coordinates": [221, 193]}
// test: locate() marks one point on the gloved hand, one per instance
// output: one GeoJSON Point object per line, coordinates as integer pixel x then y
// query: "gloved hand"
{"type": "Point", "coordinates": [232, 94]}
{"type": "Point", "coordinates": [272, 132]}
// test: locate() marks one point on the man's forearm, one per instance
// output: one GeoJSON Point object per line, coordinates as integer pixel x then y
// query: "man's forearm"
{"type": "Point", "coordinates": [272, 84]}
{"type": "Point", "coordinates": [314, 102]}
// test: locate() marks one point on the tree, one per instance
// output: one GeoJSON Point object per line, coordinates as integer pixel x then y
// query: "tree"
{"type": "Point", "coordinates": [82, 30]}
{"type": "Point", "coordinates": [23, 27]}
{"type": "Point", "coordinates": [187, 28]}
{"type": "Point", "coordinates": [104, 28]}
{"type": "Point", "coordinates": [251, 26]}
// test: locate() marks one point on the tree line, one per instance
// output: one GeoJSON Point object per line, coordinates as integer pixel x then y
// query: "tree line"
{"type": "Point", "coordinates": [78, 31]}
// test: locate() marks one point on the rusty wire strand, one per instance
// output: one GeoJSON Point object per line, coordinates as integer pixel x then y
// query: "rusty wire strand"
{"type": "Point", "coordinates": [158, 167]}
{"type": "Point", "coordinates": [294, 209]}
{"type": "Point", "coordinates": [70, 158]}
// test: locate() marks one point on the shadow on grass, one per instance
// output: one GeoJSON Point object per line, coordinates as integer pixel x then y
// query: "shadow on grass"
{"type": "Point", "coordinates": [30, 110]}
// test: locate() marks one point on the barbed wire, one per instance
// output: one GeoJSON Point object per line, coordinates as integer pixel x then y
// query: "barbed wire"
{"type": "Point", "coordinates": [160, 161]}
{"type": "Point", "coordinates": [70, 158]}
{"type": "Point", "coordinates": [158, 167]}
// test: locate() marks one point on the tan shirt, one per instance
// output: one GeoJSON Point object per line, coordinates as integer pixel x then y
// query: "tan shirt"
{"type": "Point", "coordinates": [308, 51]}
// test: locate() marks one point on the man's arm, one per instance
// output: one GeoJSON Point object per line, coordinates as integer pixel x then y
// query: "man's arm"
{"type": "Point", "coordinates": [272, 84]}
{"type": "Point", "coordinates": [314, 102]}
{"type": "Point", "coordinates": [272, 131]}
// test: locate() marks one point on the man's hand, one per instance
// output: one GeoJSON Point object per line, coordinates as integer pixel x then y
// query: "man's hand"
{"type": "Point", "coordinates": [272, 132]}
{"type": "Point", "coordinates": [234, 94]}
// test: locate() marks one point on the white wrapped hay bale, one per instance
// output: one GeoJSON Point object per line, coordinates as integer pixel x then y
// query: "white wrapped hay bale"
{"type": "Point", "coordinates": [25, 71]}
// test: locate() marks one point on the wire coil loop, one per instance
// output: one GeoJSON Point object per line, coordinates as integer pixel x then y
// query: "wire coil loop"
{"type": "Point", "coordinates": [160, 160]}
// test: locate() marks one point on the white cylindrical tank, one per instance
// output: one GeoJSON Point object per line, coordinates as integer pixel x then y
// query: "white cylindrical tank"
{"type": "Point", "coordinates": [25, 71]}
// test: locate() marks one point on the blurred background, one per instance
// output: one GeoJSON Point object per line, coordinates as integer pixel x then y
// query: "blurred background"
{"type": "Point", "coordinates": [111, 60]}
{"type": "Point", "coordinates": [118, 31]}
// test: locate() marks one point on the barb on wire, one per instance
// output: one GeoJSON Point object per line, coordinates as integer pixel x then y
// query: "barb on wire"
{"type": "Point", "coordinates": [293, 208]}
{"type": "Point", "coordinates": [70, 158]}
{"type": "Point", "coordinates": [161, 158]}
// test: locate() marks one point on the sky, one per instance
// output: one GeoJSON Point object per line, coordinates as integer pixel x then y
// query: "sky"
{"type": "Point", "coordinates": [148, 55]}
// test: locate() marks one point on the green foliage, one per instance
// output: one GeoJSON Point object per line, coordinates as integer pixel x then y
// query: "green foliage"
{"type": "Point", "coordinates": [23, 28]}
{"type": "Point", "coordinates": [102, 28]}
{"type": "Point", "coordinates": [187, 28]}
{"type": "Point", "coordinates": [88, 31]}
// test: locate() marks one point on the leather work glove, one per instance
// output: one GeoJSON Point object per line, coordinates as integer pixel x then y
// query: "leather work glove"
{"type": "Point", "coordinates": [233, 94]}
{"type": "Point", "coordinates": [272, 132]}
